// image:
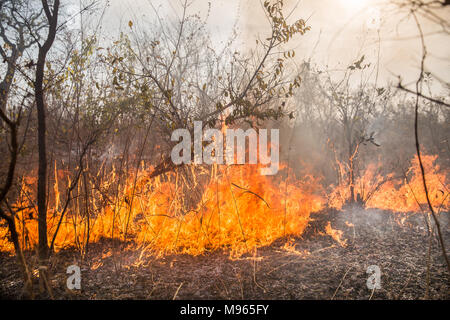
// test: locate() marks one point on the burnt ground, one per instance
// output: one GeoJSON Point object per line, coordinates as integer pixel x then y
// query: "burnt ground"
{"type": "Point", "coordinates": [319, 268]}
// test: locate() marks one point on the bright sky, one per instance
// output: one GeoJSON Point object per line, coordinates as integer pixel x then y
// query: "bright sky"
{"type": "Point", "coordinates": [342, 30]}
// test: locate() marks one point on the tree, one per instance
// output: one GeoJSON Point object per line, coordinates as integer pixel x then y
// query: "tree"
{"type": "Point", "coordinates": [353, 108]}
{"type": "Point", "coordinates": [52, 18]}
{"type": "Point", "coordinates": [182, 79]}
{"type": "Point", "coordinates": [425, 9]}
{"type": "Point", "coordinates": [19, 30]}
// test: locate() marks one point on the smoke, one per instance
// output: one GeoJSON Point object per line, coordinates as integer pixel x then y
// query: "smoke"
{"type": "Point", "coordinates": [341, 32]}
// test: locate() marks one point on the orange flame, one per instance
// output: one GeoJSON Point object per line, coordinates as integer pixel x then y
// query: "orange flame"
{"type": "Point", "coordinates": [404, 194]}
{"type": "Point", "coordinates": [237, 210]}
{"type": "Point", "coordinates": [335, 234]}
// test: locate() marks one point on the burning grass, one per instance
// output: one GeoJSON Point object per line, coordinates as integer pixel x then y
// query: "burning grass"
{"type": "Point", "coordinates": [404, 194]}
{"type": "Point", "coordinates": [237, 210]}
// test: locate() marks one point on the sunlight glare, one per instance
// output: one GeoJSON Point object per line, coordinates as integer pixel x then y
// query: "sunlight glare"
{"type": "Point", "coordinates": [355, 5]}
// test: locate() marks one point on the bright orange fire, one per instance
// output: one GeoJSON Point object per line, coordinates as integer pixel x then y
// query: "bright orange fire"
{"type": "Point", "coordinates": [237, 209]}
{"type": "Point", "coordinates": [337, 235]}
{"type": "Point", "coordinates": [404, 194]}
{"type": "Point", "coordinates": [408, 195]}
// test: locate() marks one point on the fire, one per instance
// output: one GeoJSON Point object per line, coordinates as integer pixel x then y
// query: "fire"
{"type": "Point", "coordinates": [335, 234]}
{"type": "Point", "coordinates": [408, 195]}
{"type": "Point", "coordinates": [239, 210]}
{"type": "Point", "coordinates": [236, 209]}
{"type": "Point", "coordinates": [399, 194]}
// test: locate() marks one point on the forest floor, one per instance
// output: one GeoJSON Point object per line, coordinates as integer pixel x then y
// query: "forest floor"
{"type": "Point", "coordinates": [318, 267]}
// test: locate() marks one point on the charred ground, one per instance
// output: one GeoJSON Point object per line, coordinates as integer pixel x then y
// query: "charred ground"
{"type": "Point", "coordinates": [314, 266]}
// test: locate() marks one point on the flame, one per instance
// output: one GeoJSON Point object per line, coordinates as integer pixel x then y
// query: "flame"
{"type": "Point", "coordinates": [408, 194]}
{"type": "Point", "coordinates": [335, 234]}
{"type": "Point", "coordinates": [289, 247]}
{"type": "Point", "coordinates": [235, 209]}
{"type": "Point", "coordinates": [239, 210]}
{"type": "Point", "coordinates": [404, 194]}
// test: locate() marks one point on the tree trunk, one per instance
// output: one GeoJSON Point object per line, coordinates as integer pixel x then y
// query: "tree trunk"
{"type": "Point", "coordinates": [28, 284]}
{"type": "Point", "coordinates": [52, 17]}
{"type": "Point", "coordinates": [42, 170]}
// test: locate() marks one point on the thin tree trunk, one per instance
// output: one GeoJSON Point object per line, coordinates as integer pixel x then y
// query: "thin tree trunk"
{"type": "Point", "coordinates": [419, 155]}
{"type": "Point", "coordinates": [21, 262]}
{"type": "Point", "coordinates": [52, 17]}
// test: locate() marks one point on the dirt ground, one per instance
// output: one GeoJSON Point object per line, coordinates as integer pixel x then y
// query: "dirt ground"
{"type": "Point", "coordinates": [315, 266]}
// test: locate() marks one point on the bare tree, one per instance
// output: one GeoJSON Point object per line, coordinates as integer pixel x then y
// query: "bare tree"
{"type": "Point", "coordinates": [181, 79]}
{"type": "Point", "coordinates": [20, 24]}
{"type": "Point", "coordinates": [426, 9]}
{"type": "Point", "coordinates": [51, 12]}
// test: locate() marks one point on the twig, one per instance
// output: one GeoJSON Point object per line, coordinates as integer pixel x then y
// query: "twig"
{"type": "Point", "coordinates": [371, 294]}
{"type": "Point", "coordinates": [404, 287]}
{"type": "Point", "coordinates": [342, 280]}
{"type": "Point", "coordinates": [416, 130]}
{"type": "Point", "coordinates": [254, 274]}
{"type": "Point", "coordinates": [401, 87]}
{"type": "Point", "coordinates": [176, 292]}
{"type": "Point", "coordinates": [249, 191]}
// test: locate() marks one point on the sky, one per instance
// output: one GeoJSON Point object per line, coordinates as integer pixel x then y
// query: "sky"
{"type": "Point", "coordinates": [341, 32]}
